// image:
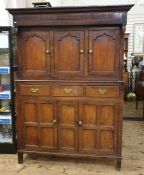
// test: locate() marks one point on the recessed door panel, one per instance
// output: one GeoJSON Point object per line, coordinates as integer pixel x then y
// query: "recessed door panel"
{"type": "Point", "coordinates": [88, 127]}
{"type": "Point", "coordinates": [47, 112]}
{"type": "Point", "coordinates": [47, 137]}
{"type": "Point", "coordinates": [107, 140]}
{"type": "Point", "coordinates": [108, 117]}
{"type": "Point", "coordinates": [35, 47]}
{"type": "Point", "coordinates": [48, 125]}
{"type": "Point", "coordinates": [68, 138]}
{"type": "Point", "coordinates": [68, 53]}
{"type": "Point", "coordinates": [103, 53]}
{"type": "Point", "coordinates": [67, 128]}
{"type": "Point", "coordinates": [89, 139]}
{"type": "Point", "coordinates": [68, 114]}
{"type": "Point", "coordinates": [31, 136]}
{"type": "Point", "coordinates": [35, 57]}
{"type": "Point", "coordinates": [90, 114]}
{"type": "Point", "coordinates": [30, 112]}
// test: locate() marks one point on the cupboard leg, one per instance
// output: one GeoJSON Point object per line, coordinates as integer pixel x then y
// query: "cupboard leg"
{"type": "Point", "coordinates": [20, 157]}
{"type": "Point", "coordinates": [118, 164]}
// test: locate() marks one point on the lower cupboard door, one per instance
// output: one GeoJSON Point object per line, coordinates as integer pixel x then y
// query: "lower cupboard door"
{"type": "Point", "coordinates": [98, 127]}
{"type": "Point", "coordinates": [39, 125]}
{"type": "Point", "coordinates": [67, 126]}
{"type": "Point", "coordinates": [48, 126]}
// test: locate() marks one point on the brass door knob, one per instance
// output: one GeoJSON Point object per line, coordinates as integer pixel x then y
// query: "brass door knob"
{"type": "Point", "coordinates": [47, 51]}
{"type": "Point", "coordinates": [90, 51]}
{"type": "Point", "coordinates": [80, 123]}
{"type": "Point", "coordinates": [81, 51]}
{"type": "Point", "coordinates": [54, 121]}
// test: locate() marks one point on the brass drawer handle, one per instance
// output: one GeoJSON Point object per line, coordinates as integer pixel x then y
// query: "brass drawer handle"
{"type": "Point", "coordinates": [68, 90]}
{"type": "Point", "coordinates": [102, 91]}
{"type": "Point", "coordinates": [34, 90]}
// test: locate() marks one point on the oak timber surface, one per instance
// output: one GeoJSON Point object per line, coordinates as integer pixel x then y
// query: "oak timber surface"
{"type": "Point", "coordinates": [81, 117]}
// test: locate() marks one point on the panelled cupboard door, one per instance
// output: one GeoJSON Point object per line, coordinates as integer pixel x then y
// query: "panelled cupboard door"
{"type": "Point", "coordinates": [67, 126]}
{"type": "Point", "coordinates": [68, 53]}
{"type": "Point", "coordinates": [104, 54]}
{"type": "Point", "coordinates": [48, 125]}
{"type": "Point", "coordinates": [108, 124]}
{"type": "Point", "coordinates": [63, 53]}
{"type": "Point", "coordinates": [35, 54]}
{"type": "Point", "coordinates": [98, 127]}
{"type": "Point", "coordinates": [88, 127]}
{"type": "Point", "coordinates": [39, 124]}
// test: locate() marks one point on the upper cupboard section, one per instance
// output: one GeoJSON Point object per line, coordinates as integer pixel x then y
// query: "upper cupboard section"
{"type": "Point", "coordinates": [76, 54]}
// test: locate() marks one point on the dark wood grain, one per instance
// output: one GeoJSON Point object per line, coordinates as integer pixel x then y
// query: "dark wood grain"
{"type": "Point", "coordinates": [70, 89]}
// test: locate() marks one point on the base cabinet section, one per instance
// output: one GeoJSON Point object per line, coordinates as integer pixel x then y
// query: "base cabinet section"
{"type": "Point", "coordinates": [69, 126]}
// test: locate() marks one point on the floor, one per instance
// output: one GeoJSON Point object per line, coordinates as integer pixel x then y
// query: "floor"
{"type": "Point", "coordinates": [132, 163]}
{"type": "Point", "coordinates": [131, 111]}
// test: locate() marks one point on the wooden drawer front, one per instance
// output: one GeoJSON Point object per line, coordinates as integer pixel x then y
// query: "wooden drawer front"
{"type": "Point", "coordinates": [35, 90]}
{"type": "Point", "coordinates": [69, 91]}
{"type": "Point", "coordinates": [102, 91]}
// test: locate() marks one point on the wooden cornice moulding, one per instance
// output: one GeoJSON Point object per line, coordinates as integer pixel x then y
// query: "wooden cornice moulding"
{"type": "Point", "coordinates": [81, 15]}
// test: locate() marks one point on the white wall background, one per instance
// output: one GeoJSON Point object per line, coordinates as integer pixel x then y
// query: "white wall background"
{"type": "Point", "coordinates": [84, 2]}
{"type": "Point", "coordinates": [136, 15]}
{"type": "Point", "coordinates": [5, 18]}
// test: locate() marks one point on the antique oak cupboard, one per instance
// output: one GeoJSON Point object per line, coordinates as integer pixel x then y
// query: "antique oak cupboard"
{"type": "Point", "coordinates": [69, 91]}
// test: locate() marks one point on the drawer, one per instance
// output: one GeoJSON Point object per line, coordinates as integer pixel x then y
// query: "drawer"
{"type": "Point", "coordinates": [71, 91]}
{"type": "Point", "coordinates": [102, 91]}
{"type": "Point", "coordinates": [35, 90]}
